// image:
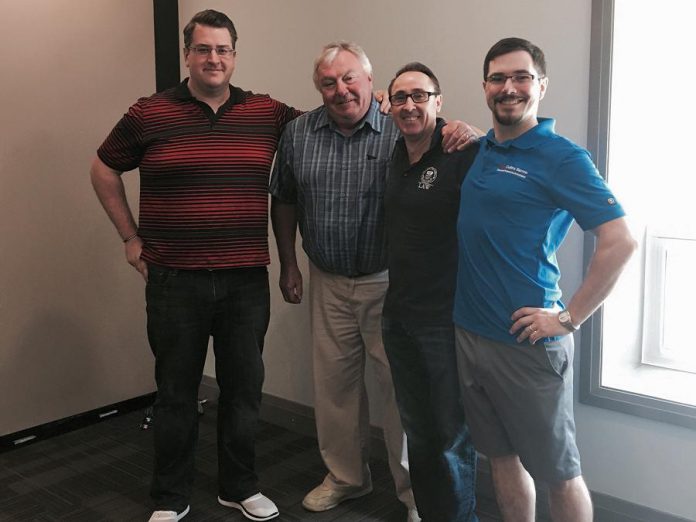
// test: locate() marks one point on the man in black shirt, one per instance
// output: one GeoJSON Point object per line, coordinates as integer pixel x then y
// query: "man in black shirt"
{"type": "Point", "coordinates": [421, 206]}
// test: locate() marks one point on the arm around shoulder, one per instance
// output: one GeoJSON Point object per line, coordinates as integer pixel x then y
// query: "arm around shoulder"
{"type": "Point", "coordinates": [458, 135]}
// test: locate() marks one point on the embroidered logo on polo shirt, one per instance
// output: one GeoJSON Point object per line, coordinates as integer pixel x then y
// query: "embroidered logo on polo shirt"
{"type": "Point", "coordinates": [511, 169]}
{"type": "Point", "coordinates": [427, 178]}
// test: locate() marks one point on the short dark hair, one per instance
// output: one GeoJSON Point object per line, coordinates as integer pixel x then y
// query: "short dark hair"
{"type": "Point", "coordinates": [210, 18]}
{"type": "Point", "coordinates": [416, 67]}
{"type": "Point", "coordinates": [509, 45]}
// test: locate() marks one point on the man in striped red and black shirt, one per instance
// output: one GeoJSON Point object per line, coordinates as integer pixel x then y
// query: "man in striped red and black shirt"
{"type": "Point", "coordinates": [204, 150]}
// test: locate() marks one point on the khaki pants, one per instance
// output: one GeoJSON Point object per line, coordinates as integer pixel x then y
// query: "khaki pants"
{"type": "Point", "coordinates": [346, 326]}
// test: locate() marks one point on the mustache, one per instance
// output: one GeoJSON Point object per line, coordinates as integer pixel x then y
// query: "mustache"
{"type": "Point", "coordinates": [510, 97]}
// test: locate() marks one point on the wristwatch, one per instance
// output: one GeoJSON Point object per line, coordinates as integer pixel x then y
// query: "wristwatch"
{"type": "Point", "coordinates": [566, 321]}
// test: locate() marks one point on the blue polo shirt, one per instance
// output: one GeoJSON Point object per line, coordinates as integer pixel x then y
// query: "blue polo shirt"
{"type": "Point", "coordinates": [517, 203]}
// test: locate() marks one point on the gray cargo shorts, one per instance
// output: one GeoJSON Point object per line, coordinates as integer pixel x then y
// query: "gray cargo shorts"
{"type": "Point", "coordinates": [518, 400]}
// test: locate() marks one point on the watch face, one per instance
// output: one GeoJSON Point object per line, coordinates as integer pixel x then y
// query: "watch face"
{"type": "Point", "coordinates": [566, 321]}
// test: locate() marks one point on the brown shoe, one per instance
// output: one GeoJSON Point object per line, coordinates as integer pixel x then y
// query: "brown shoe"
{"type": "Point", "coordinates": [323, 498]}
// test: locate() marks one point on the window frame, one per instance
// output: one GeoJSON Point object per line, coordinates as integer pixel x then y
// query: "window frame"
{"type": "Point", "coordinates": [591, 391]}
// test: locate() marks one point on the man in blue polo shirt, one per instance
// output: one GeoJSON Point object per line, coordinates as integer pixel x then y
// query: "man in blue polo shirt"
{"type": "Point", "coordinates": [514, 348]}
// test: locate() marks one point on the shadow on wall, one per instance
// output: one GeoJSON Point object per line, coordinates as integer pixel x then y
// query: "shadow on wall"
{"type": "Point", "coordinates": [50, 342]}
{"type": "Point", "coordinates": [72, 321]}
{"type": "Point", "coordinates": [288, 344]}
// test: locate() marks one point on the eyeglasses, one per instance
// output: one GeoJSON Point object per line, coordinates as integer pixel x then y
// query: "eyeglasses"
{"type": "Point", "coordinates": [400, 98]}
{"type": "Point", "coordinates": [517, 79]}
{"type": "Point", "coordinates": [204, 50]}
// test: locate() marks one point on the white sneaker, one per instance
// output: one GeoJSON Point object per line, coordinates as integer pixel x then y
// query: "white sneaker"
{"type": "Point", "coordinates": [168, 516]}
{"type": "Point", "coordinates": [256, 507]}
{"type": "Point", "coordinates": [323, 497]}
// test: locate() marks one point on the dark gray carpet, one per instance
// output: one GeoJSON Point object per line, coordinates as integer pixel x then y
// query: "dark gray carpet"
{"type": "Point", "coordinates": [101, 473]}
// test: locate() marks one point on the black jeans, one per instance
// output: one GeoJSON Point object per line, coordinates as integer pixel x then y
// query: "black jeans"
{"type": "Point", "coordinates": [185, 308]}
{"type": "Point", "coordinates": [441, 457]}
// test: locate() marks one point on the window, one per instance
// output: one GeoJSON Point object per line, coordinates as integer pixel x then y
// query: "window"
{"type": "Point", "coordinates": [668, 341]}
{"type": "Point", "coordinates": [638, 353]}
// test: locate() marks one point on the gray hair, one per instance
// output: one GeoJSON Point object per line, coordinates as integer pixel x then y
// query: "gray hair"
{"type": "Point", "coordinates": [330, 51]}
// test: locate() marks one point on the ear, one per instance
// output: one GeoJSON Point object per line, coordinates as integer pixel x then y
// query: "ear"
{"type": "Point", "coordinates": [543, 84]}
{"type": "Point", "coordinates": [438, 103]}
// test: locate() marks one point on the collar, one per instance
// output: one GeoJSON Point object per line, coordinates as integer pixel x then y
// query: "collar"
{"type": "Point", "coordinates": [372, 118]}
{"type": "Point", "coordinates": [436, 140]}
{"type": "Point", "coordinates": [183, 93]}
{"type": "Point", "coordinates": [529, 140]}
{"type": "Point", "coordinates": [401, 152]}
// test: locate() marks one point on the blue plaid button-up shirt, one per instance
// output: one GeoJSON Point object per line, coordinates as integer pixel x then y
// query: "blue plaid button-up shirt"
{"type": "Point", "coordinates": [337, 183]}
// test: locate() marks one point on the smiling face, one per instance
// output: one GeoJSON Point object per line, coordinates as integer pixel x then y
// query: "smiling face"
{"type": "Point", "coordinates": [514, 105]}
{"type": "Point", "coordinates": [209, 74]}
{"type": "Point", "coordinates": [346, 89]}
{"type": "Point", "coordinates": [416, 121]}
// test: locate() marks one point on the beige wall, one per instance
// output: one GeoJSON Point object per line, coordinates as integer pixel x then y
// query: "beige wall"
{"type": "Point", "coordinates": [72, 332]}
{"type": "Point", "coordinates": [634, 459]}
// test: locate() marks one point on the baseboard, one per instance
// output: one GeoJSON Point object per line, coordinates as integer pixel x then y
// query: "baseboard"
{"type": "Point", "coordinates": [51, 429]}
{"type": "Point", "coordinates": [208, 389]}
{"type": "Point", "coordinates": [290, 415]}
{"type": "Point", "coordinates": [611, 509]}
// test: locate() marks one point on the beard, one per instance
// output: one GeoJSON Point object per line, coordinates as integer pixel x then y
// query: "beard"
{"type": "Point", "coordinates": [507, 118]}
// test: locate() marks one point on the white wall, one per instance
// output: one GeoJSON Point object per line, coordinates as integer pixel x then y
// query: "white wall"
{"type": "Point", "coordinates": [637, 460]}
{"type": "Point", "coordinates": [72, 325]}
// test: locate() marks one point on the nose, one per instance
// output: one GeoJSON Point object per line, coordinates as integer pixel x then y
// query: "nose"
{"type": "Point", "coordinates": [410, 104]}
{"type": "Point", "coordinates": [341, 88]}
{"type": "Point", "coordinates": [509, 85]}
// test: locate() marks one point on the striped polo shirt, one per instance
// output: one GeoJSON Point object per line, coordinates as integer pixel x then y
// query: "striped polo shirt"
{"type": "Point", "coordinates": [337, 183]}
{"type": "Point", "coordinates": [203, 175]}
